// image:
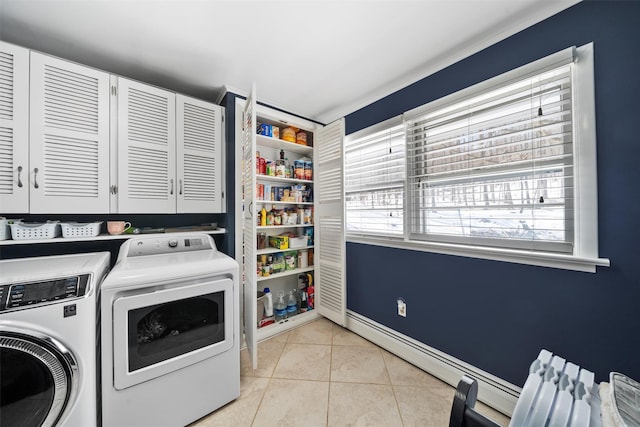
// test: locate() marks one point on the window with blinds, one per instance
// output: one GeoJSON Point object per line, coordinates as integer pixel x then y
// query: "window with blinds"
{"type": "Point", "coordinates": [496, 168]}
{"type": "Point", "coordinates": [374, 179]}
{"type": "Point", "coordinates": [505, 170]}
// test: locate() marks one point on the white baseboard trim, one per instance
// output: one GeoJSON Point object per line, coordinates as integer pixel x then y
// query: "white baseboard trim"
{"type": "Point", "coordinates": [492, 391]}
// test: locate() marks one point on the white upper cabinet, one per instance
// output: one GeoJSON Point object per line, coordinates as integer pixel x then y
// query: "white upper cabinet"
{"type": "Point", "coordinates": [199, 156]}
{"type": "Point", "coordinates": [146, 147]}
{"type": "Point", "coordinates": [77, 140]}
{"type": "Point", "coordinates": [69, 137]}
{"type": "Point", "coordinates": [14, 129]}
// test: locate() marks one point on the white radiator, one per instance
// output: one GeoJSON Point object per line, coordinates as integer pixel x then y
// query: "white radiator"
{"type": "Point", "coordinates": [557, 393]}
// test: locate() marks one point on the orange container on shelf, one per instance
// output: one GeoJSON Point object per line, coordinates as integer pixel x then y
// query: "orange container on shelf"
{"type": "Point", "coordinates": [301, 138]}
{"type": "Point", "coordinates": [288, 134]}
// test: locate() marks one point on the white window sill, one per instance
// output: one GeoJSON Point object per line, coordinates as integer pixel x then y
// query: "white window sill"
{"type": "Point", "coordinates": [566, 262]}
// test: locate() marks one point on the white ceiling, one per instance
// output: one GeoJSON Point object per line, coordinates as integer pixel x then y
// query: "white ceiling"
{"type": "Point", "coordinates": [318, 59]}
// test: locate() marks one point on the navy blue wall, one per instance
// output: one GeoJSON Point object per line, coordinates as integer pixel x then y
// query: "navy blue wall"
{"type": "Point", "coordinates": [498, 315]}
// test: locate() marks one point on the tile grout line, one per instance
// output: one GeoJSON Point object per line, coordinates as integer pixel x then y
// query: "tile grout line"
{"type": "Point", "coordinates": [326, 421]}
{"type": "Point", "coordinates": [269, 380]}
{"type": "Point", "coordinates": [393, 389]}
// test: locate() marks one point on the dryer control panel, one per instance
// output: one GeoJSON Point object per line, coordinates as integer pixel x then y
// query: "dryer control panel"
{"type": "Point", "coordinates": [144, 246]}
{"type": "Point", "coordinates": [31, 294]}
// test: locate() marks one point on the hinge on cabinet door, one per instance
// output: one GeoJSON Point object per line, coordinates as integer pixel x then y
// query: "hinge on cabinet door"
{"type": "Point", "coordinates": [114, 189]}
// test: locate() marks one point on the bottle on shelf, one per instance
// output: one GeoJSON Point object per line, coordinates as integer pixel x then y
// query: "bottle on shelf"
{"type": "Point", "coordinates": [280, 308]}
{"type": "Point", "coordinates": [268, 303]}
{"type": "Point", "coordinates": [277, 219]}
{"type": "Point", "coordinates": [263, 216]}
{"type": "Point", "coordinates": [292, 305]}
{"type": "Point", "coordinates": [271, 216]}
{"type": "Point", "coordinates": [303, 301]}
{"type": "Point", "coordinates": [305, 285]}
{"type": "Point", "coordinates": [311, 293]}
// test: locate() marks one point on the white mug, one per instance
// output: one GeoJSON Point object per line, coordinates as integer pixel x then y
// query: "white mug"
{"type": "Point", "coordinates": [117, 227]}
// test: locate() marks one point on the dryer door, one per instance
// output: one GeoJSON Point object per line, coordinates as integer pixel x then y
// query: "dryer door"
{"type": "Point", "coordinates": [163, 328]}
{"type": "Point", "coordinates": [37, 380]}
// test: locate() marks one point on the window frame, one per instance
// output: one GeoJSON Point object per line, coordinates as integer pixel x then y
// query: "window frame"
{"type": "Point", "coordinates": [585, 252]}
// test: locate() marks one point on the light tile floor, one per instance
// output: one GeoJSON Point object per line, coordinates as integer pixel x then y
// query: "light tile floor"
{"type": "Point", "coordinates": [321, 374]}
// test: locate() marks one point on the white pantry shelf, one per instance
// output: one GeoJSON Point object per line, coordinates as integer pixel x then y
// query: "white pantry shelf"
{"type": "Point", "coordinates": [267, 141]}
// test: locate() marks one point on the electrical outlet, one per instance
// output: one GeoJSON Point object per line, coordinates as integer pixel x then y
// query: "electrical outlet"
{"type": "Point", "coordinates": [402, 308]}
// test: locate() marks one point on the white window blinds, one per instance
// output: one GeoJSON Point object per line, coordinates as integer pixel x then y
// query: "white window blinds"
{"type": "Point", "coordinates": [374, 179]}
{"type": "Point", "coordinates": [496, 168]}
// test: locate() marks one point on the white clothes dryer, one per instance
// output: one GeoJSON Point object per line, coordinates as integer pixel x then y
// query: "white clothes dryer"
{"type": "Point", "coordinates": [48, 341]}
{"type": "Point", "coordinates": [170, 332]}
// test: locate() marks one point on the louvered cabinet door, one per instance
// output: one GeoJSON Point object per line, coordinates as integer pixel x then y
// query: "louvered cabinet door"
{"type": "Point", "coordinates": [199, 162]}
{"type": "Point", "coordinates": [14, 129]}
{"type": "Point", "coordinates": [69, 140]}
{"type": "Point", "coordinates": [146, 149]}
{"type": "Point", "coordinates": [329, 222]}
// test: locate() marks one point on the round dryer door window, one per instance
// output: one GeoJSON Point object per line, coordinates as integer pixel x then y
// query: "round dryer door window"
{"type": "Point", "coordinates": [35, 382]}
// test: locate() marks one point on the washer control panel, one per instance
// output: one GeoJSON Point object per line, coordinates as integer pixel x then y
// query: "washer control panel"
{"type": "Point", "coordinates": [31, 294]}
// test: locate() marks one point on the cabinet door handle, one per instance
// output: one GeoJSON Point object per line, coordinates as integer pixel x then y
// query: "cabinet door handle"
{"type": "Point", "coordinates": [171, 191]}
{"type": "Point", "coordinates": [180, 190]}
{"type": "Point", "coordinates": [35, 178]}
{"type": "Point", "coordinates": [19, 180]}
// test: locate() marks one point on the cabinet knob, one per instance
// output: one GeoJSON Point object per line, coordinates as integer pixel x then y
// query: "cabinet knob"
{"type": "Point", "coordinates": [171, 183]}
{"type": "Point", "coordinates": [180, 184]}
{"type": "Point", "coordinates": [113, 189]}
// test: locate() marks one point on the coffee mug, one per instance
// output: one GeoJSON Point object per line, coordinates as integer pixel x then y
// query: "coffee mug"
{"type": "Point", "coordinates": [117, 227]}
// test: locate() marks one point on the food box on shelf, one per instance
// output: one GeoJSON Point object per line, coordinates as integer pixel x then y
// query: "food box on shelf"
{"type": "Point", "coordinates": [279, 242]}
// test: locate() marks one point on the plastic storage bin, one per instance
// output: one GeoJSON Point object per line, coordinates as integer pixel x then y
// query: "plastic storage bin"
{"type": "Point", "coordinates": [298, 242]}
{"type": "Point", "coordinates": [24, 231]}
{"type": "Point", "coordinates": [5, 227]}
{"type": "Point", "coordinates": [80, 229]}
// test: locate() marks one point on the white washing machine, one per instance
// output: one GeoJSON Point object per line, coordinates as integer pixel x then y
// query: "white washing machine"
{"type": "Point", "coordinates": [170, 332]}
{"type": "Point", "coordinates": [48, 342]}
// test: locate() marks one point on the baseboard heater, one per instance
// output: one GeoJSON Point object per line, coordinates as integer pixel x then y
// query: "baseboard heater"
{"type": "Point", "coordinates": [492, 391]}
